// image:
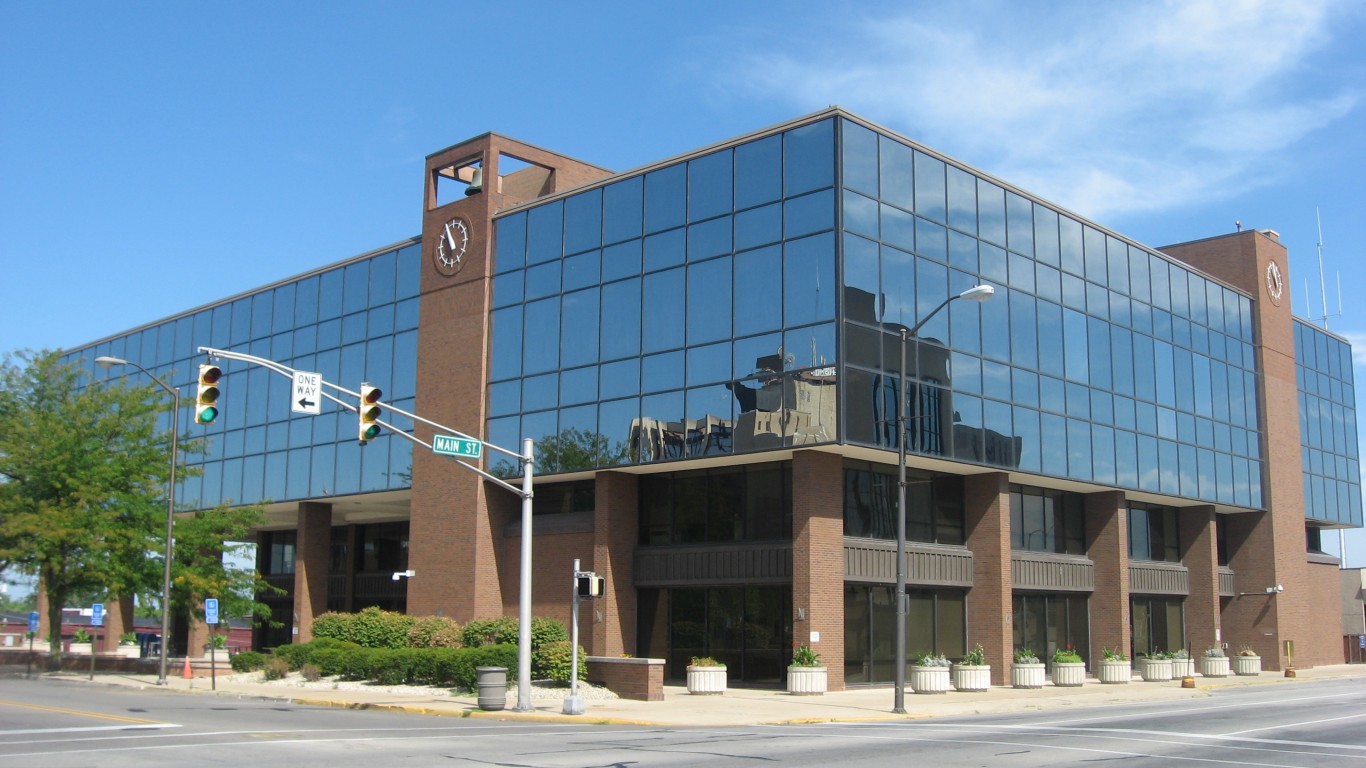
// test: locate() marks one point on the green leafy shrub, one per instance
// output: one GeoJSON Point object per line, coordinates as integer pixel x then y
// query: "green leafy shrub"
{"type": "Point", "coordinates": [497, 631]}
{"type": "Point", "coordinates": [336, 626]}
{"type": "Point", "coordinates": [704, 661]}
{"type": "Point", "coordinates": [977, 657]}
{"type": "Point", "coordinates": [247, 661]}
{"type": "Point", "coordinates": [434, 632]}
{"type": "Point", "coordinates": [554, 661]}
{"type": "Point", "coordinates": [1066, 656]}
{"type": "Point", "coordinates": [80, 636]}
{"type": "Point", "coordinates": [374, 628]}
{"type": "Point", "coordinates": [1026, 655]}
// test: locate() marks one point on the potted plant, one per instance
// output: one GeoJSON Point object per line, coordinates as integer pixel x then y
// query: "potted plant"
{"type": "Point", "coordinates": [1214, 663]}
{"type": "Point", "coordinates": [706, 676]}
{"type": "Point", "coordinates": [972, 673]}
{"type": "Point", "coordinates": [1156, 667]}
{"type": "Point", "coordinates": [1114, 667]}
{"type": "Point", "coordinates": [806, 676]}
{"type": "Point", "coordinates": [81, 642]}
{"type": "Point", "coordinates": [1027, 671]}
{"type": "Point", "coordinates": [1247, 662]}
{"type": "Point", "coordinates": [930, 673]}
{"type": "Point", "coordinates": [1182, 663]}
{"type": "Point", "coordinates": [128, 646]}
{"type": "Point", "coordinates": [1068, 668]}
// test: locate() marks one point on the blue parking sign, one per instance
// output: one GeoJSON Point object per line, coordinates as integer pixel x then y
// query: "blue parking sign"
{"type": "Point", "coordinates": [211, 610]}
{"type": "Point", "coordinates": [33, 621]}
{"type": "Point", "coordinates": [97, 614]}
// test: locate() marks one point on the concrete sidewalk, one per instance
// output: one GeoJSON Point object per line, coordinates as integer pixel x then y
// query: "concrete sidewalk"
{"type": "Point", "coordinates": [737, 706]}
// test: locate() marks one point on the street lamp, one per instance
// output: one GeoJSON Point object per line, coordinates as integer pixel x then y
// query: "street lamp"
{"type": "Point", "coordinates": [976, 293]}
{"type": "Point", "coordinates": [110, 362]}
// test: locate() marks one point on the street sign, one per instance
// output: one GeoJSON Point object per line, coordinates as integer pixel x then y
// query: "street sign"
{"type": "Point", "coordinates": [97, 614]}
{"type": "Point", "coordinates": [33, 621]}
{"type": "Point", "coordinates": [457, 446]}
{"type": "Point", "coordinates": [211, 610]}
{"type": "Point", "coordinates": [308, 391]}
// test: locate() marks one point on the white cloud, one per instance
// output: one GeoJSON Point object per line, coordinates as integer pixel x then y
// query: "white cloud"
{"type": "Point", "coordinates": [1118, 107]}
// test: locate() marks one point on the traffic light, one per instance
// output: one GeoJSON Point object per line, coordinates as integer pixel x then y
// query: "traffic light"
{"type": "Point", "coordinates": [206, 399]}
{"type": "Point", "coordinates": [369, 413]}
{"type": "Point", "coordinates": [590, 584]}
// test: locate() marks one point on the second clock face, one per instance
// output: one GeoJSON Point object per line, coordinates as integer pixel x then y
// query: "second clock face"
{"type": "Point", "coordinates": [1275, 284]}
{"type": "Point", "coordinates": [453, 241]}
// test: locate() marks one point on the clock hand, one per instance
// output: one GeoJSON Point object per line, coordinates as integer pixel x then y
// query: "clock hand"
{"type": "Point", "coordinates": [450, 238]}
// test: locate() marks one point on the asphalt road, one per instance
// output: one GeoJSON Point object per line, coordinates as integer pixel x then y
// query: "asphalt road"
{"type": "Point", "coordinates": [57, 723]}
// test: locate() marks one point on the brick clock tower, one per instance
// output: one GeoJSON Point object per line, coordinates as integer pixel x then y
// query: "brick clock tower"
{"type": "Point", "coordinates": [1268, 548]}
{"type": "Point", "coordinates": [455, 533]}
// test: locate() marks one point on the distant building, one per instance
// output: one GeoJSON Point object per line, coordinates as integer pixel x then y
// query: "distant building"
{"type": "Point", "coordinates": [1125, 447]}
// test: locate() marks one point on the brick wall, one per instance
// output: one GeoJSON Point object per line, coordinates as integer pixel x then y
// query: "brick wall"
{"type": "Point", "coordinates": [818, 557]}
{"type": "Point", "coordinates": [1201, 557]}
{"type": "Point", "coordinates": [616, 522]}
{"type": "Point", "coordinates": [312, 555]}
{"type": "Point", "coordinates": [986, 508]}
{"type": "Point", "coordinates": [1107, 544]}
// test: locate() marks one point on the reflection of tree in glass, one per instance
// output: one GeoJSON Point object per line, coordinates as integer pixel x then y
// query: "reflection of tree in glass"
{"type": "Point", "coordinates": [572, 449]}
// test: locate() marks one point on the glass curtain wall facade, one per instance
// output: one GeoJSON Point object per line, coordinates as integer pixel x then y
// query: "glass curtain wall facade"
{"type": "Point", "coordinates": [1328, 427]}
{"type": "Point", "coordinates": [1152, 387]}
{"type": "Point", "coordinates": [351, 322]}
{"type": "Point", "coordinates": [687, 311]}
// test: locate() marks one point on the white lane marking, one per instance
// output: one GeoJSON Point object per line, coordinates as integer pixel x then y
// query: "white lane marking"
{"type": "Point", "coordinates": [1297, 725]}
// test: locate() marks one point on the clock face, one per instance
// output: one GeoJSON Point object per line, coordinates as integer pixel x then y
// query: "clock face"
{"type": "Point", "coordinates": [453, 240]}
{"type": "Point", "coordinates": [1275, 284]}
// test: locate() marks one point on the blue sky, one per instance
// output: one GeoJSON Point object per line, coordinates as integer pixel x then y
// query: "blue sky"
{"type": "Point", "coordinates": [156, 156]}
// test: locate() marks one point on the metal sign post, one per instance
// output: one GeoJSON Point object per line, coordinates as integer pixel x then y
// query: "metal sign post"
{"type": "Point", "coordinates": [32, 633]}
{"type": "Point", "coordinates": [96, 620]}
{"type": "Point", "coordinates": [573, 705]}
{"type": "Point", "coordinates": [211, 618]}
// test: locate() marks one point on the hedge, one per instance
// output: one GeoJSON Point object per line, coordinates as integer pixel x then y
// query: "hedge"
{"type": "Point", "coordinates": [446, 667]}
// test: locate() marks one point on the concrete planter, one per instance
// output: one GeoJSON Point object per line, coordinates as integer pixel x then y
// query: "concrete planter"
{"type": "Point", "coordinates": [1155, 670]}
{"type": "Point", "coordinates": [1247, 665]}
{"type": "Point", "coordinates": [971, 678]}
{"type": "Point", "coordinates": [1214, 666]}
{"type": "Point", "coordinates": [806, 681]}
{"type": "Point", "coordinates": [1183, 668]}
{"type": "Point", "coordinates": [930, 679]}
{"type": "Point", "coordinates": [1115, 672]}
{"type": "Point", "coordinates": [1028, 675]}
{"type": "Point", "coordinates": [707, 681]}
{"type": "Point", "coordinates": [1069, 674]}
{"type": "Point", "coordinates": [81, 649]}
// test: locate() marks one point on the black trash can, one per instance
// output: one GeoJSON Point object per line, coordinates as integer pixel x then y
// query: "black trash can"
{"type": "Point", "coordinates": [493, 687]}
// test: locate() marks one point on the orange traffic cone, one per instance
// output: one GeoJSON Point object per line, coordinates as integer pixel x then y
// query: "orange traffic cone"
{"type": "Point", "coordinates": [187, 672]}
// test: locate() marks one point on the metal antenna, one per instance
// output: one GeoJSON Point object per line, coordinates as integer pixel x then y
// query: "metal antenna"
{"type": "Point", "coordinates": [1323, 291]}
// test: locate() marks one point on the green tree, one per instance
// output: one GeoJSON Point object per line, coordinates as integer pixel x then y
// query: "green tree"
{"type": "Point", "coordinates": [575, 448]}
{"type": "Point", "coordinates": [204, 542]}
{"type": "Point", "coordinates": [82, 469]}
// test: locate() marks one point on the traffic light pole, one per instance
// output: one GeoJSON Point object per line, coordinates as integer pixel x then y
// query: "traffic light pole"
{"type": "Point", "coordinates": [526, 458]}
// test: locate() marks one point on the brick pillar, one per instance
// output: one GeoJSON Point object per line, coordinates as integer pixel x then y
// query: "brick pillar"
{"type": "Point", "coordinates": [311, 559]}
{"type": "Point", "coordinates": [818, 557]}
{"type": "Point", "coordinates": [1107, 544]}
{"type": "Point", "coordinates": [616, 521]}
{"type": "Point", "coordinates": [986, 512]}
{"type": "Point", "coordinates": [1200, 553]}
{"type": "Point", "coordinates": [118, 620]}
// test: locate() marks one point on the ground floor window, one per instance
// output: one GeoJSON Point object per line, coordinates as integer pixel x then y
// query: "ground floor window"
{"type": "Point", "coordinates": [747, 628]}
{"type": "Point", "coordinates": [936, 622]}
{"type": "Point", "coordinates": [1157, 624]}
{"type": "Point", "coordinates": [1045, 622]}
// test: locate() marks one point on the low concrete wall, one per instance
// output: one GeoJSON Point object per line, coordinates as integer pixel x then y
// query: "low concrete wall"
{"type": "Point", "coordinates": [629, 678]}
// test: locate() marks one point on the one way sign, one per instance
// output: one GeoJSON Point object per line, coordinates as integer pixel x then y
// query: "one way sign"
{"type": "Point", "coordinates": [308, 387]}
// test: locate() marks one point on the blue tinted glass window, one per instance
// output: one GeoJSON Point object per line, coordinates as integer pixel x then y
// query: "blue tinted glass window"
{"type": "Point", "coordinates": [329, 300]}
{"type": "Point", "coordinates": [583, 221]}
{"type": "Point", "coordinates": [579, 346]}
{"type": "Point", "coordinates": [582, 270]}
{"type": "Point", "coordinates": [621, 378]}
{"type": "Point", "coordinates": [541, 349]}
{"type": "Point", "coordinates": [808, 214]}
{"type": "Point", "coordinates": [356, 290]}
{"type": "Point", "coordinates": [709, 301]}
{"type": "Point", "coordinates": [758, 295]}
{"type": "Point", "coordinates": [707, 364]}
{"type": "Point", "coordinates": [860, 157]}
{"type": "Point", "coordinates": [962, 200]}
{"type": "Point", "coordinates": [665, 198]}
{"type": "Point", "coordinates": [661, 372]}
{"type": "Point", "coordinates": [543, 280]}
{"type": "Point", "coordinates": [809, 158]}
{"type": "Point", "coordinates": [1019, 224]}
{"type": "Point", "coordinates": [621, 319]}
{"type": "Point", "coordinates": [709, 185]}
{"type": "Point", "coordinates": [579, 385]}
{"type": "Point", "coordinates": [667, 249]}
{"type": "Point", "coordinates": [545, 232]}
{"type": "Point", "coordinates": [621, 210]}
{"type": "Point", "coordinates": [710, 238]}
{"type": "Point", "coordinates": [758, 172]}
{"type": "Point", "coordinates": [621, 260]}
{"type": "Point", "coordinates": [758, 226]}
{"type": "Point", "coordinates": [809, 280]}
{"type": "Point", "coordinates": [897, 173]}
{"type": "Point", "coordinates": [991, 212]}
{"type": "Point", "coordinates": [664, 296]}
{"type": "Point", "coordinates": [929, 188]}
